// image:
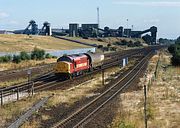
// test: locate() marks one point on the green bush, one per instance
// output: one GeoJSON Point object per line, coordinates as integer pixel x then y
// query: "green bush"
{"type": "Point", "coordinates": [176, 55]}
{"type": "Point", "coordinates": [175, 60]}
{"type": "Point", "coordinates": [175, 51]}
{"type": "Point", "coordinates": [131, 45]}
{"type": "Point", "coordinates": [25, 56]}
{"type": "Point", "coordinates": [54, 57]}
{"type": "Point", "coordinates": [171, 48]}
{"type": "Point", "coordinates": [113, 48]}
{"type": "Point", "coordinates": [138, 44]}
{"type": "Point", "coordinates": [100, 40]}
{"type": "Point", "coordinates": [5, 59]}
{"type": "Point", "coordinates": [1, 59]}
{"type": "Point", "coordinates": [16, 59]}
{"type": "Point", "coordinates": [122, 124]}
{"type": "Point", "coordinates": [109, 45]}
{"type": "Point", "coordinates": [100, 46]}
{"type": "Point", "coordinates": [124, 42]}
{"type": "Point", "coordinates": [48, 56]}
{"type": "Point", "coordinates": [38, 54]}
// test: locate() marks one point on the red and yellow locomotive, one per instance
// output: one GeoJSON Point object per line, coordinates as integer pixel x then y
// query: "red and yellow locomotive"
{"type": "Point", "coordinates": [77, 64]}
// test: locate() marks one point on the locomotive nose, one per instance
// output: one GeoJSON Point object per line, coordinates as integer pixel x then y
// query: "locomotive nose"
{"type": "Point", "coordinates": [62, 67]}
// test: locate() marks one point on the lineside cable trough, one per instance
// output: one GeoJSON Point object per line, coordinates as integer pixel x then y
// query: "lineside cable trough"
{"type": "Point", "coordinates": [29, 113]}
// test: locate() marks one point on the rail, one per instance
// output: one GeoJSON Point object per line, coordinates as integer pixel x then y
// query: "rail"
{"type": "Point", "coordinates": [32, 86]}
{"type": "Point", "coordinates": [83, 114]}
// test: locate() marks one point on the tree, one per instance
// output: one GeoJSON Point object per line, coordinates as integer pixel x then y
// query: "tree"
{"type": "Point", "coordinates": [178, 40]}
{"type": "Point", "coordinates": [171, 48]}
{"type": "Point", "coordinates": [175, 51]}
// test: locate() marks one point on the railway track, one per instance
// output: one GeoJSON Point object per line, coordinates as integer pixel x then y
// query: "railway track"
{"type": "Point", "coordinates": [58, 84]}
{"type": "Point", "coordinates": [49, 81]}
{"type": "Point", "coordinates": [84, 114]}
{"type": "Point", "coordinates": [22, 73]}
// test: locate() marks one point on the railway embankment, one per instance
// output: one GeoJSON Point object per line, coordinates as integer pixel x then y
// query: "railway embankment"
{"type": "Point", "coordinates": [163, 98]}
{"type": "Point", "coordinates": [63, 101]}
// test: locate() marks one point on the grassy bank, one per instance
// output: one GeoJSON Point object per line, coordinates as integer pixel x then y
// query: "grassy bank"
{"type": "Point", "coordinates": [11, 111]}
{"type": "Point", "coordinates": [25, 64]}
{"type": "Point", "coordinates": [163, 98]}
{"type": "Point", "coordinates": [13, 43]}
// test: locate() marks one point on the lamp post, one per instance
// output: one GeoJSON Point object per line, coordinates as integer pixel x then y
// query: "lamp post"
{"type": "Point", "coordinates": [29, 80]}
{"type": "Point", "coordinates": [29, 75]}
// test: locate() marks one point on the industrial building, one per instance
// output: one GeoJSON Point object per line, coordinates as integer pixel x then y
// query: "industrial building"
{"type": "Point", "coordinates": [89, 26]}
{"type": "Point", "coordinates": [90, 30]}
{"type": "Point", "coordinates": [73, 29]}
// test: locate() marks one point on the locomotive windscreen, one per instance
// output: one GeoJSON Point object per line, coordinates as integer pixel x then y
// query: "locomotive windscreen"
{"type": "Point", "coordinates": [64, 58]}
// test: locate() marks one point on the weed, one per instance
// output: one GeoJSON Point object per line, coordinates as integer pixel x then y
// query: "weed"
{"type": "Point", "coordinates": [123, 124]}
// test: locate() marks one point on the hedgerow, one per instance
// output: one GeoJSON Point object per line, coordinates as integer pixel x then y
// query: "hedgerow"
{"type": "Point", "coordinates": [175, 51]}
{"type": "Point", "coordinates": [36, 54]}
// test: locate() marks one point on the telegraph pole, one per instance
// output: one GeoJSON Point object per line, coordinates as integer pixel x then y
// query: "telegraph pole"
{"type": "Point", "coordinates": [145, 107]}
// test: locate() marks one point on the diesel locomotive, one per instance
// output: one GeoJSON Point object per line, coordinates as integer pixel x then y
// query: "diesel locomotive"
{"type": "Point", "coordinates": [69, 66]}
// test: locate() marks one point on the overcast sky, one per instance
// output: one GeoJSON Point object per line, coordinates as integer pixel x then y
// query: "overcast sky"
{"type": "Point", "coordinates": [142, 14]}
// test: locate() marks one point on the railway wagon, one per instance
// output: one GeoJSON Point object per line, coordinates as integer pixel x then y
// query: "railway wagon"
{"type": "Point", "coordinates": [96, 59]}
{"type": "Point", "coordinates": [76, 64]}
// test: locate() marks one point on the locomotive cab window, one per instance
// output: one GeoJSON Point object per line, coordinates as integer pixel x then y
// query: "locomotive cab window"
{"type": "Point", "coordinates": [64, 58]}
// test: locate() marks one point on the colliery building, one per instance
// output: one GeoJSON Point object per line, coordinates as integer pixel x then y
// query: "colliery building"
{"type": "Point", "coordinates": [92, 30]}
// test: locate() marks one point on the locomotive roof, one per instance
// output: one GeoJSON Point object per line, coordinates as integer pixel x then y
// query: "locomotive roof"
{"type": "Point", "coordinates": [76, 56]}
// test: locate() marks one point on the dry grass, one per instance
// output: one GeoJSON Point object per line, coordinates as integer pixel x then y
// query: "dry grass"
{"type": "Point", "coordinates": [13, 43]}
{"type": "Point", "coordinates": [24, 64]}
{"type": "Point", "coordinates": [106, 41]}
{"type": "Point", "coordinates": [117, 39]}
{"type": "Point", "coordinates": [89, 41]}
{"type": "Point", "coordinates": [10, 112]}
{"type": "Point", "coordinates": [32, 124]}
{"type": "Point", "coordinates": [78, 92]}
{"type": "Point", "coordinates": [71, 95]}
{"type": "Point", "coordinates": [13, 82]}
{"type": "Point", "coordinates": [163, 99]}
{"type": "Point", "coordinates": [167, 100]}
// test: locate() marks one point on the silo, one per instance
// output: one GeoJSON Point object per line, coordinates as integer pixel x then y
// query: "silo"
{"type": "Point", "coordinates": [120, 31]}
{"type": "Point", "coordinates": [127, 32]}
{"type": "Point", "coordinates": [48, 30]}
{"type": "Point", "coordinates": [73, 30]}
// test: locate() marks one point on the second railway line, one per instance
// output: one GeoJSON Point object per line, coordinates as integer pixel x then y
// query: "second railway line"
{"type": "Point", "coordinates": [50, 84]}
{"type": "Point", "coordinates": [81, 116]}
{"type": "Point", "coordinates": [49, 81]}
